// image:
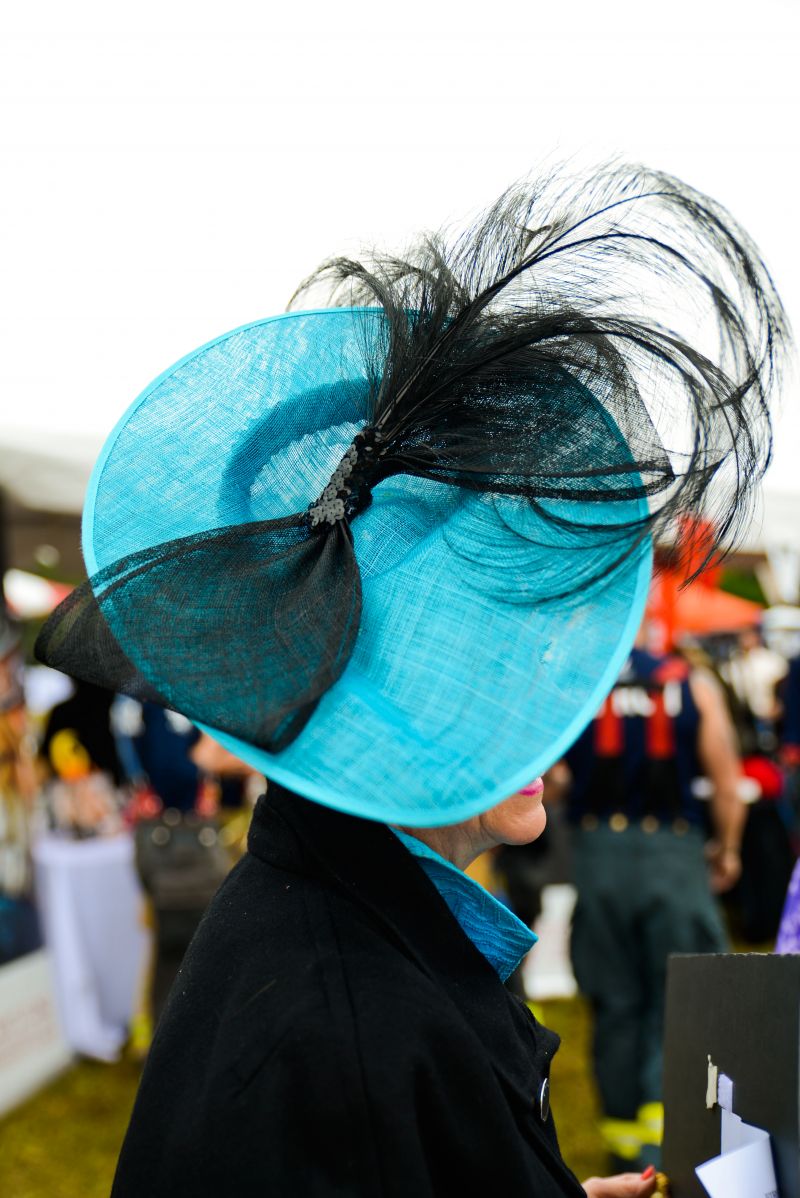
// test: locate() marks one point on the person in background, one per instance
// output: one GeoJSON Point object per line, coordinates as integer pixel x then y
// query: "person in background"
{"type": "Point", "coordinates": [788, 940]}
{"type": "Point", "coordinates": [154, 746]}
{"type": "Point", "coordinates": [83, 767]}
{"type": "Point", "coordinates": [19, 924]}
{"type": "Point", "coordinates": [641, 867]}
{"type": "Point", "coordinates": [164, 754]}
{"type": "Point", "coordinates": [78, 738]}
{"type": "Point", "coordinates": [180, 857]}
{"type": "Point", "coordinates": [215, 761]}
{"type": "Point", "coordinates": [789, 753]}
{"type": "Point", "coordinates": [753, 672]}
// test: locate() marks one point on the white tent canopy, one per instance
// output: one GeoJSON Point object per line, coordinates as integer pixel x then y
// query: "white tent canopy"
{"type": "Point", "coordinates": [776, 524]}
{"type": "Point", "coordinates": [46, 473]}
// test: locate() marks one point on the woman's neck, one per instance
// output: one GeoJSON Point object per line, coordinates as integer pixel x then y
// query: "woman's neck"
{"type": "Point", "coordinates": [459, 844]}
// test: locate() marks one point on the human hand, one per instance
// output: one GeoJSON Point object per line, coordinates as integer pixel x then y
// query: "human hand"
{"type": "Point", "coordinates": [210, 757]}
{"type": "Point", "coordinates": [726, 867]}
{"type": "Point", "coordinates": [622, 1185]}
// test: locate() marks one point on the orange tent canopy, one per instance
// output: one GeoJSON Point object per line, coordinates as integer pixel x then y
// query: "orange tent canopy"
{"type": "Point", "coordinates": [699, 609]}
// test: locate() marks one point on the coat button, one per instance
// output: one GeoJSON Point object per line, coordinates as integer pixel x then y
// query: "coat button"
{"type": "Point", "coordinates": [544, 1099]}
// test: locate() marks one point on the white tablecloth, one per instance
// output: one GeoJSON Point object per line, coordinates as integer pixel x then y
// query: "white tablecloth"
{"type": "Point", "coordinates": [91, 907]}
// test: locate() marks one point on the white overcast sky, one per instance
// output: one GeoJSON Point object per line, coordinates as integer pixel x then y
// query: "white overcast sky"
{"type": "Point", "coordinates": [170, 170]}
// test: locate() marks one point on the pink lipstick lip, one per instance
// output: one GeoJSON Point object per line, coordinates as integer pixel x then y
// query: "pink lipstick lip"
{"type": "Point", "coordinates": [533, 788]}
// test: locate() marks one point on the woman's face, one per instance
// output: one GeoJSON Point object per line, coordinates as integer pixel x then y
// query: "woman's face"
{"type": "Point", "coordinates": [518, 819]}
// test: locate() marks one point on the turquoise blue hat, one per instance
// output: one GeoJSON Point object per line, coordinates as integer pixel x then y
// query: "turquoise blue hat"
{"type": "Point", "coordinates": [392, 554]}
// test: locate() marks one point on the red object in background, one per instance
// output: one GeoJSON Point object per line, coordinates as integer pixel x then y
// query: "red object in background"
{"type": "Point", "coordinates": [659, 731]}
{"type": "Point", "coordinates": [766, 773]}
{"type": "Point", "coordinates": [609, 734]}
{"type": "Point", "coordinates": [208, 798]}
{"type": "Point", "coordinates": [674, 669]}
{"type": "Point", "coordinates": [144, 804]}
{"type": "Point", "coordinates": [695, 540]}
{"type": "Point", "coordinates": [698, 609]}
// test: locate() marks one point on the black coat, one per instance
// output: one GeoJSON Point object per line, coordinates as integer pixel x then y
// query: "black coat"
{"type": "Point", "coordinates": [334, 1032]}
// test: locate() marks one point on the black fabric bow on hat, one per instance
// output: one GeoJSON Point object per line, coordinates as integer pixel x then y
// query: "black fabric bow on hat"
{"type": "Point", "coordinates": [502, 353]}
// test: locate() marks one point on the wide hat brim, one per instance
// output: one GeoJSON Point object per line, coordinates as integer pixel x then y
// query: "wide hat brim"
{"type": "Point", "coordinates": [468, 678]}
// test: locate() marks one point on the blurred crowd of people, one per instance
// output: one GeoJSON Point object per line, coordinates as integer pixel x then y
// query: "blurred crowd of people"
{"type": "Point", "coordinates": [96, 766]}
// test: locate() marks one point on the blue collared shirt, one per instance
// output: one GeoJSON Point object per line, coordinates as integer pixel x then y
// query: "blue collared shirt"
{"type": "Point", "coordinates": [491, 926]}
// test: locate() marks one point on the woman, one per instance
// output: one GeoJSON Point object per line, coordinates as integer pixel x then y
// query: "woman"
{"type": "Point", "coordinates": [393, 554]}
{"type": "Point", "coordinates": [335, 1029]}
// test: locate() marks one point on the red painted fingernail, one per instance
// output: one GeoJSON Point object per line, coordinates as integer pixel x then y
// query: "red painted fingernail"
{"type": "Point", "coordinates": [649, 1172]}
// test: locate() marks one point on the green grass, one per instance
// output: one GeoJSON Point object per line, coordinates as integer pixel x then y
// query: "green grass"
{"type": "Point", "coordinates": [573, 1096]}
{"type": "Point", "coordinates": [64, 1142]}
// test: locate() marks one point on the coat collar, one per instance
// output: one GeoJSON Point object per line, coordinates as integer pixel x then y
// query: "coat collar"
{"type": "Point", "coordinates": [365, 861]}
{"type": "Point", "coordinates": [491, 925]}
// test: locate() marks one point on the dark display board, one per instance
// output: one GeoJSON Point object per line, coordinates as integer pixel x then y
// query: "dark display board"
{"type": "Point", "coordinates": [744, 1011]}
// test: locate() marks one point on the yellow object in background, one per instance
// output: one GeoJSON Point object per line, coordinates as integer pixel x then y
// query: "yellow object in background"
{"type": "Point", "coordinates": [622, 1137]}
{"type": "Point", "coordinates": [481, 871]}
{"type": "Point", "coordinates": [68, 757]}
{"type": "Point", "coordinates": [651, 1122]}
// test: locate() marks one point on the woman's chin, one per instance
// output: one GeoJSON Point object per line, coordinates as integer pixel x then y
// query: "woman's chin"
{"type": "Point", "coordinates": [536, 821]}
{"type": "Point", "coordinates": [519, 819]}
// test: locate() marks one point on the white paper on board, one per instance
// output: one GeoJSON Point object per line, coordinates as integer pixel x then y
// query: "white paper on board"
{"type": "Point", "coordinates": [735, 1133]}
{"type": "Point", "coordinates": [747, 1172]}
{"type": "Point", "coordinates": [725, 1093]}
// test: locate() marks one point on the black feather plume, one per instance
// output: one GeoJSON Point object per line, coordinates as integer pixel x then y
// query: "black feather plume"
{"type": "Point", "coordinates": [640, 288]}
